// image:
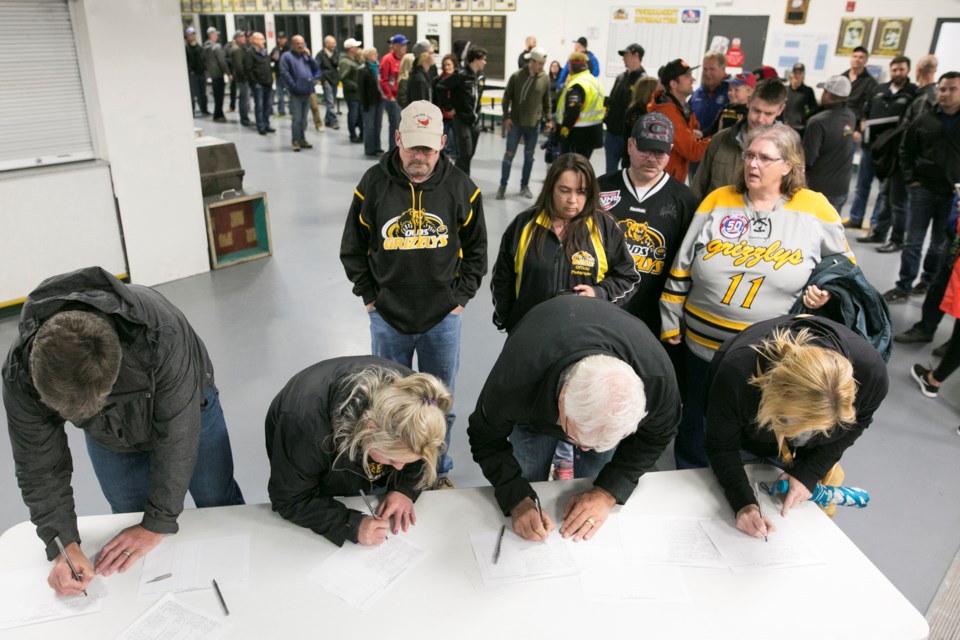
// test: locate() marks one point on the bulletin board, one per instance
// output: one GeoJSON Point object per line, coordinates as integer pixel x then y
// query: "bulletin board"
{"type": "Point", "coordinates": [666, 33]}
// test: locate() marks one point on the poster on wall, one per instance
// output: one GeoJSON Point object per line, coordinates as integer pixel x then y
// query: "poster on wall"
{"type": "Point", "coordinates": [396, 5]}
{"type": "Point", "coordinates": [504, 5]}
{"type": "Point", "coordinates": [890, 38]}
{"type": "Point", "coordinates": [436, 5]}
{"type": "Point", "coordinates": [481, 5]}
{"type": "Point", "coordinates": [459, 5]}
{"type": "Point", "coordinates": [854, 32]}
{"type": "Point", "coordinates": [416, 5]}
{"type": "Point", "coordinates": [666, 33]}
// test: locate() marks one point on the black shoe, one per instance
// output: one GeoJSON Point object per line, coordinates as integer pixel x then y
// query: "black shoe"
{"type": "Point", "coordinates": [850, 224]}
{"type": "Point", "coordinates": [914, 334]}
{"type": "Point", "coordinates": [205, 113]}
{"type": "Point", "coordinates": [920, 289]}
{"type": "Point", "coordinates": [305, 145]}
{"type": "Point", "coordinates": [262, 132]}
{"type": "Point", "coordinates": [941, 351]}
{"type": "Point", "coordinates": [890, 247]}
{"type": "Point", "coordinates": [271, 130]}
{"type": "Point", "coordinates": [220, 119]}
{"type": "Point", "coordinates": [919, 375]}
{"type": "Point", "coordinates": [872, 238]}
{"type": "Point", "coordinates": [248, 123]}
{"type": "Point", "coordinates": [895, 295]}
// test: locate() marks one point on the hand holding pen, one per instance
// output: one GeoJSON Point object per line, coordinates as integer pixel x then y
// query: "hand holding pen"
{"type": "Point", "coordinates": [72, 572]}
{"type": "Point", "coordinates": [529, 520]}
{"type": "Point", "coordinates": [373, 530]}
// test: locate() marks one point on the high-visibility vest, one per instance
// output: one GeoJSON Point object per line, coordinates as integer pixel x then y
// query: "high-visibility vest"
{"type": "Point", "coordinates": [592, 111]}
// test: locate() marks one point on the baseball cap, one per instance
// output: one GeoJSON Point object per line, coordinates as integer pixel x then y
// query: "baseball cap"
{"type": "Point", "coordinates": [281, 34]}
{"type": "Point", "coordinates": [537, 54]}
{"type": "Point", "coordinates": [399, 39]}
{"type": "Point", "coordinates": [766, 73]}
{"type": "Point", "coordinates": [631, 48]}
{"type": "Point", "coordinates": [742, 79]}
{"type": "Point", "coordinates": [421, 48]}
{"type": "Point", "coordinates": [653, 132]}
{"type": "Point", "coordinates": [578, 58]}
{"type": "Point", "coordinates": [212, 30]}
{"type": "Point", "coordinates": [583, 42]}
{"type": "Point", "coordinates": [673, 70]}
{"type": "Point", "coordinates": [350, 43]}
{"type": "Point", "coordinates": [421, 125]}
{"type": "Point", "coordinates": [190, 31]}
{"type": "Point", "coordinates": [799, 67]}
{"type": "Point", "coordinates": [837, 85]}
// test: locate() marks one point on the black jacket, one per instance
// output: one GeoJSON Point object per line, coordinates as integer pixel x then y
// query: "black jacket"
{"type": "Point", "coordinates": [861, 89]}
{"type": "Point", "coordinates": [237, 56]}
{"type": "Point", "coordinates": [256, 65]}
{"type": "Point", "coordinates": [194, 57]}
{"type": "Point", "coordinates": [929, 154]}
{"type": "Point", "coordinates": [524, 387]}
{"type": "Point", "coordinates": [801, 105]}
{"type": "Point", "coordinates": [415, 250]}
{"type": "Point", "coordinates": [368, 87]}
{"type": "Point", "coordinates": [305, 474]}
{"type": "Point", "coordinates": [885, 104]}
{"type": "Point", "coordinates": [466, 90]}
{"type": "Point", "coordinates": [154, 406]}
{"type": "Point", "coordinates": [329, 67]}
{"type": "Point", "coordinates": [732, 405]}
{"type": "Point", "coordinates": [419, 85]}
{"type": "Point", "coordinates": [828, 147]}
{"type": "Point", "coordinates": [604, 264]}
{"type": "Point", "coordinates": [618, 101]}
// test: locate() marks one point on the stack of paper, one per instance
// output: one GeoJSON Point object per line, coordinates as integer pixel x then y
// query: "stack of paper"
{"type": "Point", "coordinates": [27, 599]}
{"type": "Point", "coordinates": [520, 559]}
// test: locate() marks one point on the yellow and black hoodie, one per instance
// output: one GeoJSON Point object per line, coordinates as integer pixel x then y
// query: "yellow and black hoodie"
{"type": "Point", "coordinates": [415, 251]}
{"type": "Point", "coordinates": [524, 277]}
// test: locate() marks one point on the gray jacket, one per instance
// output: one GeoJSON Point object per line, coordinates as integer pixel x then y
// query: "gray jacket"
{"type": "Point", "coordinates": [214, 60]}
{"type": "Point", "coordinates": [828, 147]}
{"type": "Point", "coordinates": [721, 164]}
{"type": "Point", "coordinates": [154, 406]}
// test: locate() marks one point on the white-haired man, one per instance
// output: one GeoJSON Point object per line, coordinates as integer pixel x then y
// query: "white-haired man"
{"type": "Point", "coordinates": [582, 371]}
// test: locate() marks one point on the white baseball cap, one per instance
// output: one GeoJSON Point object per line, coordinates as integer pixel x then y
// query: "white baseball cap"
{"type": "Point", "coordinates": [421, 125]}
{"type": "Point", "coordinates": [537, 54]}
{"type": "Point", "coordinates": [350, 43]}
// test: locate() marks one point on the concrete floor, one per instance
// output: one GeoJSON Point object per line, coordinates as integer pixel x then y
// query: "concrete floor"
{"type": "Point", "coordinates": [265, 320]}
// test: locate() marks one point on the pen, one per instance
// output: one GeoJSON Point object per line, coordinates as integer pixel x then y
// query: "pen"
{"type": "Point", "coordinates": [536, 501]}
{"type": "Point", "coordinates": [756, 494]}
{"type": "Point", "coordinates": [73, 569]}
{"type": "Point", "coordinates": [496, 554]}
{"type": "Point", "coordinates": [159, 578]}
{"type": "Point", "coordinates": [366, 501]}
{"type": "Point", "coordinates": [223, 603]}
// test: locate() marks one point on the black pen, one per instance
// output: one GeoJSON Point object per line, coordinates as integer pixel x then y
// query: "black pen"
{"type": "Point", "coordinates": [373, 513]}
{"type": "Point", "coordinates": [496, 554]}
{"type": "Point", "coordinates": [73, 569]}
{"type": "Point", "coordinates": [536, 501]}
{"type": "Point", "coordinates": [223, 602]}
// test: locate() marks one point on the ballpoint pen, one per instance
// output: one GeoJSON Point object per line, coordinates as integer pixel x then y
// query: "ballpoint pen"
{"type": "Point", "coordinates": [536, 501]}
{"type": "Point", "coordinates": [73, 569]}
{"type": "Point", "coordinates": [756, 494]}
{"type": "Point", "coordinates": [366, 501]}
{"type": "Point", "coordinates": [496, 554]}
{"type": "Point", "coordinates": [223, 603]}
{"type": "Point", "coordinates": [159, 578]}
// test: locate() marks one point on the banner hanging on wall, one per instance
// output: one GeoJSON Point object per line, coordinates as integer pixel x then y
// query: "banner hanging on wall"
{"type": "Point", "coordinates": [666, 33]}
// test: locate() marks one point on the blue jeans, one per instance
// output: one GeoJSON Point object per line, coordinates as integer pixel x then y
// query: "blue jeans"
{"type": "Point", "coordinates": [198, 92]}
{"type": "Point", "coordinates": [244, 107]}
{"type": "Point", "coordinates": [837, 201]}
{"type": "Point", "coordinates": [529, 135]}
{"type": "Point", "coordinates": [299, 108]}
{"type": "Point", "coordinates": [392, 108]}
{"type": "Point", "coordinates": [330, 100]}
{"type": "Point", "coordinates": [438, 353]}
{"type": "Point", "coordinates": [926, 209]}
{"type": "Point", "coordinates": [862, 193]}
{"type": "Point", "coordinates": [125, 477]}
{"type": "Point", "coordinates": [614, 147]}
{"type": "Point", "coordinates": [372, 125]}
{"type": "Point", "coordinates": [354, 121]}
{"type": "Point", "coordinates": [690, 446]}
{"type": "Point", "coordinates": [534, 452]}
{"type": "Point", "coordinates": [451, 148]}
{"type": "Point", "coordinates": [891, 210]}
{"type": "Point", "coordinates": [281, 91]}
{"type": "Point", "coordinates": [261, 105]}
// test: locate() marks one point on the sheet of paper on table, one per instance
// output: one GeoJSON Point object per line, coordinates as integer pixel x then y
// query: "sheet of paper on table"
{"type": "Point", "coordinates": [170, 617]}
{"type": "Point", "coordinates": [522, 560]}
{"type": "Point", "coordinates": [28, 599]}
{"type": "Point", "coordinates": [362, 575]}
{"type": "Point", "coordinates": [610, 577]}
{"type": "Point", "coordinates": [669, 540]}
{"type": "Point", "coordinates": [195, 564]}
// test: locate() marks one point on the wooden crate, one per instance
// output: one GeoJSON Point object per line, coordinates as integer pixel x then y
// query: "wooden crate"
{"type": "Point", "coordinates": [238, 228]}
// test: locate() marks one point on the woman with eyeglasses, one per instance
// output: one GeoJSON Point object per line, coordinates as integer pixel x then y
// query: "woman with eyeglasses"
{"type": "Point", "coordinates": [746, 257]}
{"type": "Point", "coordinates": [354, 424]}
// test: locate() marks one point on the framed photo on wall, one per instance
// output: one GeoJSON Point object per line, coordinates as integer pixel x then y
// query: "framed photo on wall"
{"type": "Point", "coordinates": [890, 38]}
{"type": "Point", "coordinates": [396, 5]}
{"type": "Point", "coordinates": [854, 32]}
{"type": "Point", "coordinates": [436, 5]}
{"type": "Point", "coordinates": [459, 5]}
{"type": "Point", "coordinates": [416, 5]}
{"type": "Point", "coordinates": [481, 5]}
{"type": "Point", "coordinates": [504, 5]}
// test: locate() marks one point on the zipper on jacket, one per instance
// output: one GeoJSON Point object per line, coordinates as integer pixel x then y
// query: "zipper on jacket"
{"type": "Point", "coordinates": [558, 268]}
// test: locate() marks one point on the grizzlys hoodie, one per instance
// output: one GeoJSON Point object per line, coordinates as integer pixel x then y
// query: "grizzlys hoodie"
{"type": "Point", "coordinates": [415, 251]}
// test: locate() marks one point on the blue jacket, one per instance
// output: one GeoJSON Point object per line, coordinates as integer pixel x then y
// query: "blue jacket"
{"type": "Point", "coordinates": [594, 69]}
{"type": "Point", "coordinates": [299, 72]}
{"type": "Point", "coordinates": [708, 108]}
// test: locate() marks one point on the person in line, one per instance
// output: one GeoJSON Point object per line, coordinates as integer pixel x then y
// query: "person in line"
{"type": "Point", "coordinates": [448, 65]}
{"type": "Point", "coordinates": [403, 79]}
{"type": "Point", "coordinates": [239, 84]}
{"type": "Point", "coordinates": [580, 110]}
{"type": "Point", "coordinates": [415, 248]}
{"type": "Point", "coordinates": [349, 68]}
{"type": "Point", "coordinates": [195, 70]}
{"type": "Point", "coordinates": [256, 65]}
{"type": "Point", "coordinates": [795, 392]}
{"type": "Point", "coordinates": [528, 45]}
{"type": "Point", "coordinates": [465, 90]}
{"type": "Point", "coordinates": [689, 144]}
{"type": "Point", "coordinates": [526, 103]}
{"type": "Point", "coordinates": [712, 96]}
{"type": "Point", "coordinates": [389, 84]}
{"type": "Point", "coordinates": [329, 61]}
{"type": "Point", "coordinates": [615, 138]}
{"type": "Point", "coordinates": [300, 75]}
{"type": "Point", "coordinates": [124, 365]}
{"type": "Point", "coordinates": [640, 96]}
{"type": "Point", "coordinates": [580, 46]}
{"type": "Point", "coordinates": [862, 85]}
{"type": "Point", "coordinates": [371, 102]}
{"type": "Point", "coordinates": [801, 100]}
{"type": "Point", "coordinates": [747, 257]}
{"type": "Point", "coordinates": [741, 89]}
{"type": "Point", "coordinates": [215, 68]}
{"type": "Point", "coordinates": [828, 144]}
{"type": "Point", "coordinates": [348, 425]}
{"type": "Point", "coordinates": [582, 371]}
{"type": "Point", "coordinates": [420, 83]}
{"type": "Point", "coordinates": [281, 91]}
{"type": "Point", "coordinates": [555, 86]}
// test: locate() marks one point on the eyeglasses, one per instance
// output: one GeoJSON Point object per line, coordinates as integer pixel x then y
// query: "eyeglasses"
{"type": "Point", "coordinates": [762, 160]}
{"type": "Point", "coordinates": [425, 152]}
{"type": "Point", "coordinates": [656, 153]}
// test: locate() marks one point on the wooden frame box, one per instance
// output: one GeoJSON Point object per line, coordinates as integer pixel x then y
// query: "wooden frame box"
{"type": "Point", "coordinates": [238, 227]}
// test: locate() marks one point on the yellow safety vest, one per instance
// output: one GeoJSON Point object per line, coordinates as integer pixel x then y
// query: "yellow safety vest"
{"type": "Point", "coordinates": [592, 111]}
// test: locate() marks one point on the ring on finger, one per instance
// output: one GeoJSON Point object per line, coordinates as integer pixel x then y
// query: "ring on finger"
{"type": "Point", "coordinates": [126, 553]}
{"type": "Point", "coordinates": [592, 521]}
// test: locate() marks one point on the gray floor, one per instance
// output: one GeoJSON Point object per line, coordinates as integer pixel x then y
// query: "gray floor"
{"type": "Point", "coordinates": [263, 321]}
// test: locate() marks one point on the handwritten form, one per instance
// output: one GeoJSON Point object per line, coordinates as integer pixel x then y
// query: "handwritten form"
{"type": "Point", "coordinates": [521, 560]}
{"type": "Point", "coordinates": [362, 575]}
{"type": "Point", "coordinates": [172, 619]}
{"type": "Point", "coordinates": [27, 599]}
{"type": "Point", "coordinates": [673, 541]}
{"type": "Point", "coordinates": [194, 564]}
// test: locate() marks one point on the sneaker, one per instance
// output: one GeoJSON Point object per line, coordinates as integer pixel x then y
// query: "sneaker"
{"type": "Point", "coordinates": [526, 193]}
{"type": "Point", "coordinates": [231, 110]}
{"type": "Point", "coordinates": [914, 334]}
{"type": "Point", "coordinates": [296, 146]}
{"type": "Point", "coordinates": [321, 128]}
{"type": "Point", "coordinates": [305, 145]}
{"type": "Point", "coordinates": [895, 295]}
{"type": "Point", "coordinates": [443, 483]}
{"type": "Point", "coordinates": [919, 375]}
{"type": "Point", "coordinates": [850, 224]}
{"type": "Point", "coordinates": [941, 351]}
{"type": "Point", "coordinates": [335, 126]}
{"type": "Point", "coordinates": [220, 119]}
{"type": "Point", "coordinates": [890, 247]}
{"type": "Point", "coordinates": [501, 192]}
{"type": "Point", "coordinates": [920, 289]}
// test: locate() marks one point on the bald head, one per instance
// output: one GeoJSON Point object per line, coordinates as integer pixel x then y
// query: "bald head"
{"type": "Point", "coordinates": [329, 43]}
{"type": "Point", "coordinates": [926, 70]}
{"type": "Point", "coordinates": [297, 44]}
{"type": "Point", "coordinates": [257, 40]}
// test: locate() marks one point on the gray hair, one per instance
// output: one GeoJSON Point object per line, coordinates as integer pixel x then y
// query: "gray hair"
{"type": "Point", "coordinates": [74, 363]}
{"type": "Point", "coordinates": [787, 142]}
{"type": "Point", "coordinates": [719, 56]}
{"type": "Point", "coordinates": [604, 397]}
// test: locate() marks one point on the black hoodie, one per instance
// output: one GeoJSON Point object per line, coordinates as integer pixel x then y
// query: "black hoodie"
{"type": "Point", "coordinates": [415, 251]}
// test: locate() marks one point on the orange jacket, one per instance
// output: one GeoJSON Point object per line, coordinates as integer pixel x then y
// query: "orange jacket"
{"type": "Point", "coordinates": [686, 148]}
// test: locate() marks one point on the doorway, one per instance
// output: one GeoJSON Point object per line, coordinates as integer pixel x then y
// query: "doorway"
{"type": "Point", "coordinates": [251, 22]}
{"type": "Point", "coordinates": [342, 27]}
{"type": "Point", "coordinates": [295, 24]}
{"type": "Point", "coordinates": [752, 31]}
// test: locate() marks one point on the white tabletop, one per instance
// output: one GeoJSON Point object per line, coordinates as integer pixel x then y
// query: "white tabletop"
{"type": "Point", "coordinates": [444, 596]}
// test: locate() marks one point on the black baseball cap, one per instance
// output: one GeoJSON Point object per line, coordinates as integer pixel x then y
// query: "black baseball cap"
{"type": "Point", "coordinates": [673, 70]}
{"type": "Point", "coordinates": [799, 67]}
{"type": "Point", "coordinates": [583, 42]}
{"type": "Point", "coordinates": [632, 48]}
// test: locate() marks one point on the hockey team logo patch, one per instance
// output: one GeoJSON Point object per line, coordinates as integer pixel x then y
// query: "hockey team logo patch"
{"type": "Point", "coordinates": [414, 229]}
{"type": "Point", "coordinates": [734, 225]}
{"type": "Point", "coordinates": [609, 199]}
